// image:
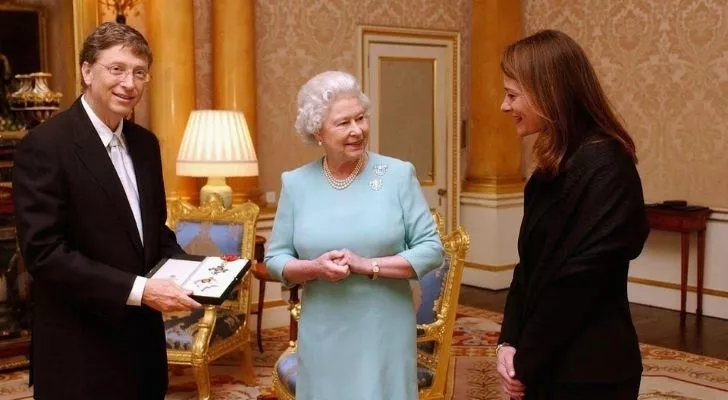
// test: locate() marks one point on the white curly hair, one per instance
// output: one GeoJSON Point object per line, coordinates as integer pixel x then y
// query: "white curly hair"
{"type": "Point", "coordinates": [315, 98]}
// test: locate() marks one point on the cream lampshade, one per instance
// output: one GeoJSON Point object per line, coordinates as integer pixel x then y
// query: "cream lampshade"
{"type": "Point", "coordinates": [216, 144]}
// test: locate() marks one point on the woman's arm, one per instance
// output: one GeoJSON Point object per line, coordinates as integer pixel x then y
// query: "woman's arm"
{"type": "Point", "coordinates": [281, 255]}
{"type": "Point", "coordinates": [281, 258]}
{"type": "Point", "coordinates": [513, 311]}
{"type": "Point", "coordinates": [423, 251]}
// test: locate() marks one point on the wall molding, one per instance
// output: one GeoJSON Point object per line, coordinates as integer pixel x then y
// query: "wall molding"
{"type": "Point", "coordinates": [676, 286]}
{"type": "Point", "coordinates": [719, 214]}
{"type": "Point", "coordinates": [489, 267]}
{"type": "Point", "coordinates": [269, 304]}
{"type": "Point", "coordinates": [487, 200]}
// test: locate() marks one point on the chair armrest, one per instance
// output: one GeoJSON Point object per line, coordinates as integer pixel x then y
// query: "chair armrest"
{"type": "Point", "coordinates": [431, 331]}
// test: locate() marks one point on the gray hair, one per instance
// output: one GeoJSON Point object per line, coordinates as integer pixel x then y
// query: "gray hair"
{"type": "Point", "coordinates": [315, 98]}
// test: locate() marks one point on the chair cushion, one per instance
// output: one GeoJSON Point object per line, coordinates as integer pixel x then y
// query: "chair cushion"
{"type": "Point", "coordinates": [181, 328]}
{"type": "Point", "coordinates": [424, 377]}
{"type": "Point", "coordinates": [288, 373]}
{"type": "Point", "coordinates": [209, 239]}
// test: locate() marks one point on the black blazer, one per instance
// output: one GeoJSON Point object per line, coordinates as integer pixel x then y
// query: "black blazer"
{"type": "Point", "coordinates": [80, 243]}
{"type": "Point", "coordinates": [567, 312]}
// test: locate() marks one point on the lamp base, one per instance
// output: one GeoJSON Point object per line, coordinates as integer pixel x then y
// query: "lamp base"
{"type": "Point", "coordinates": [216, 185]}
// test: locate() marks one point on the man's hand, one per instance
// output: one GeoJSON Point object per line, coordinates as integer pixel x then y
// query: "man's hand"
{"type": "Point", "coordinates": [166, 296]}
{"type": "Point", "coordinates": [511, 386]}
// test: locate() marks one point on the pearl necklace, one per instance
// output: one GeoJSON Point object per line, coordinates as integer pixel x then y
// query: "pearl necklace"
{"type": "Point", "coordinates": [341, 184]}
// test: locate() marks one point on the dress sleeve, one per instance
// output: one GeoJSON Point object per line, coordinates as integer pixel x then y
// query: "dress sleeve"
{"type": "Point", "coordinates": [280, 247]}
{"type": "Point", "coordinates": [423, 246]}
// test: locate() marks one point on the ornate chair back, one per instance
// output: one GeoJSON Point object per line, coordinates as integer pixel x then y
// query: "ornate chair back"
{"type": "Point", "coordinates": [439, 292]}
{"type": "Point", "coordinates": [198, 337]}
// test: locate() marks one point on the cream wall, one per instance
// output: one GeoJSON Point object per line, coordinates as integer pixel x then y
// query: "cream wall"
{"type": "Point", "coordinates": [298, 39]}
{"type": "Point", "coordinates": [664, 67]}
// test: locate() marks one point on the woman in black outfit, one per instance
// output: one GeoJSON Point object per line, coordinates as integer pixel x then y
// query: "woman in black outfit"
{"type": "Point", "coordinates": [567, 331]}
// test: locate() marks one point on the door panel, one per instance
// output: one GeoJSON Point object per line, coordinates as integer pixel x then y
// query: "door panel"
{"type": "Point", "coordinates": [408, 121]}
{"type": "Point", "coordinates": [412, 79]}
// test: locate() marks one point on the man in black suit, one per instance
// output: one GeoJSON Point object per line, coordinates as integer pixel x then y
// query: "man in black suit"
{"type": "Point", "coordinates": [91, 211]}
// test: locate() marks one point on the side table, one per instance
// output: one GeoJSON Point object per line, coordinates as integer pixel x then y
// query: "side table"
{"type": "Point", "coordinates": [685, 220]}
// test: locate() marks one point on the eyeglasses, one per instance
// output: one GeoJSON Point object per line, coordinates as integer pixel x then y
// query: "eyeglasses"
{"type": "Point", "coordinates": [121, 71]}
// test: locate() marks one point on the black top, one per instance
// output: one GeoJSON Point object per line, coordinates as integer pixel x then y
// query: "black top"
{"type": "Point", "coordinates": [567, 311]}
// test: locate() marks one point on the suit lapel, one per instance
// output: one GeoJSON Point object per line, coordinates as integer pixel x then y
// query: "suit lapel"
{"type": "Point", "coordinates": [90, 150]}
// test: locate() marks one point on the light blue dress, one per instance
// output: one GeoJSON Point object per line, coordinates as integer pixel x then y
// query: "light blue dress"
{"type": "Point", "coordinates": [357, 337]}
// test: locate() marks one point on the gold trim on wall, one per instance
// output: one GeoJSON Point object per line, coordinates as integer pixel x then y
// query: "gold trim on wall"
{"type": "Point", "coordinates": [453, 39]}
{"type": "Point", "coordinates": [676, 286]}
{"type": "Point", "coordinates": [85, 19]}
{"type": "Point", "coordinates": [489, 267]}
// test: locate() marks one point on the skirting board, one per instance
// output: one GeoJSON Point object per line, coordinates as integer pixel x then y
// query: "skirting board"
{"type": "Point", "coordinates": [668, 297]}
{"type": "Point", "coordinates": [487, 279]}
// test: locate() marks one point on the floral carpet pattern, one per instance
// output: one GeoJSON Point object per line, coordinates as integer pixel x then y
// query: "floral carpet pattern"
{"type": "Point", "coordinates": [668, 374]}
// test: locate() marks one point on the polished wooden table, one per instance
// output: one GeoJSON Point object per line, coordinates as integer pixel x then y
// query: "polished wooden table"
{"type": "Point", "coordinates": [684, 220]}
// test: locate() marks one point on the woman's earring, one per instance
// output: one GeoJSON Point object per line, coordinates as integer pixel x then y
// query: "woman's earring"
{"type": "Point", "coordinates": [319, 143]}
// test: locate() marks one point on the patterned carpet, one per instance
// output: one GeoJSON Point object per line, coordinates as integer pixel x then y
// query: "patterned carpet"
{"type": "Point", "coordinates": [669, 374]}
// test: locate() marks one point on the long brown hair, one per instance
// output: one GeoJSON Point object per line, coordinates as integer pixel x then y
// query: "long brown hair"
{"type": "Point", "coordinates": [559, 80]}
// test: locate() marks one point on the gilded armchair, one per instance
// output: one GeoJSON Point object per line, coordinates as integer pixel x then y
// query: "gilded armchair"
{"type": "Point", "coordinates": [197, 338]}
{"type": "Point", "coordinates": [439, 291]}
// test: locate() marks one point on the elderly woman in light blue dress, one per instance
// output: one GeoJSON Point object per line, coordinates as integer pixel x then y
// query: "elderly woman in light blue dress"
{"type": "Point", "coordinates": [353, 227]}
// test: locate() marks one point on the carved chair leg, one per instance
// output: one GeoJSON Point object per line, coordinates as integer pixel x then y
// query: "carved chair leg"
{"type": "Point", "coordinates": [202, 376]}
{"type": "Point", "coordinates": [246, 361]}
{"type": "Point", "coordinates": [259, 322]}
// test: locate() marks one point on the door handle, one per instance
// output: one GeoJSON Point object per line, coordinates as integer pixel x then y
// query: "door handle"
{"type": "Point", "coordinates": [440, 194]}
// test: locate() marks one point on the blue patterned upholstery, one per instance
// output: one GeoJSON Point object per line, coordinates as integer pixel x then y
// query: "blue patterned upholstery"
{"type": "Point", "coordinates": [424, 377]}
{"type": "Point", "coordinates": [431, 289]}
{"type": "Point", "coordinates": [181, 328]}
{"type": "Point", "coordinates": [204, 239]}
{"type": "Point", "coordinates": [287, 370]}
{"type": "Point", "coordinates": [209, 239]}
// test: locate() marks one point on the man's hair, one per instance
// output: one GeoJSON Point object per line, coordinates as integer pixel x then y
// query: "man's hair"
{"type": "Point", "coordinates": [110, 34]}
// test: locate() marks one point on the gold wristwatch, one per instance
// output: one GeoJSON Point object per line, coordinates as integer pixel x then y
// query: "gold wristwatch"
{"type": "Point", "coordinates": [375, 270]}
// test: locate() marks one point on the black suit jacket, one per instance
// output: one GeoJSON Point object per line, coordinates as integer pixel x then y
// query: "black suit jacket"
{"type": "Point", "coordinates": [567, 312]}
{"type": "Point", "coordinates": [81, 245]}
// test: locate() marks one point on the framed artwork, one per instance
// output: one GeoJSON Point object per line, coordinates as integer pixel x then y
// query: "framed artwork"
{"type": "Point", "coordinates": [23, 38]}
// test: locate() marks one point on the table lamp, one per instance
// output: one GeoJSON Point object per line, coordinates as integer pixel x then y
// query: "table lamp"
{"type": "Point", "coordinates": [216, 144]}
